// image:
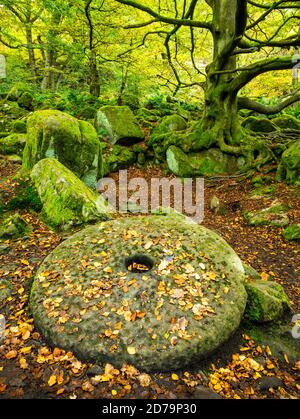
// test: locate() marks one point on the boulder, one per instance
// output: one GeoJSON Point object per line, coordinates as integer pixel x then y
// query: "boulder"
{"type": "Point", "coordinates": [72, 142]}
{"type": "Point", "coordinates": [117, 158]}
{"type": "Point", "coordinates": [171, 123]}
{"type": "Point", "coordinates": [273, 216]}
{"type": "Point", "coordinates": [19, 126]}
{"type": "Point", "coordinates": [156, 292]}
{"type": "Point", "coordinates": [13, 144]}
{"type": "Point", "coordinates": [259, 124]}
{"type": "Point", "coordinates": [205, 163]}
{"type": "Point", "coordinates": [118, 124]}
{"type": "Point", "coordinates": [13, 227]}
{"type": "Point", "coordinates": [266, 301]}
{"type": "Point", "coordinates": [289, 167]}
{"type": "Point", "coordinates": [66, 200]}
{"type": "Point", "coordinates": [287, 122]}
{"type": "Point", "coordinates": [292, 232]}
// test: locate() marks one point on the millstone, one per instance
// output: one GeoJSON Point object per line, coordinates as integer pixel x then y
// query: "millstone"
{"type": "Point", "coordinates": [156, 292]}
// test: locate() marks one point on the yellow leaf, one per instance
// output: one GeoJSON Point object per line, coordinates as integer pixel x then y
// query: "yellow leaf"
{"type": "Point", "coordinates": [52, 380]}
{"type": "Point", "coordinates": [175, 377]}
{"type": "Point", "coordinates": [25, 262]}
{"type": "Point", "coordinates": [23, 363]}
{"type": "Point", "coordinates": [131, 350]}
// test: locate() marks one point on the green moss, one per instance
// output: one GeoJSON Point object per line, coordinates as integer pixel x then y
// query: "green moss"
{"type": "Point", "coordinates": [292, 232]}
{"type": "Point", "coordinates": [287, 122]}
{"type": "Point", "coordinates": [26, 197]}
{"type": "Point", "coordinates": [66, 200]}
{"type": "Point", "coordinates": [118, 124]}
{"type": "Point", "coordinates": [289, 167]}
{"type": "Point", "coordinates": [19, 126]}
{"type": "Point", "coordinates": [118, 158]}
{"type": "Point", "coordinates": [74, 143]}
{"type": "Point", "coordinates": [259, 124]}
{"type": "Point", "coordinates": [266, 301]}
{"type": "Point", "coordinates": [13, 144]}
{"type": "Point", "coordinates": [273, 216]}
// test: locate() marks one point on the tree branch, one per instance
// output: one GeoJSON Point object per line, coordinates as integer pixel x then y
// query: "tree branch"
{"type": "Point", "coordinates": [245, 103]}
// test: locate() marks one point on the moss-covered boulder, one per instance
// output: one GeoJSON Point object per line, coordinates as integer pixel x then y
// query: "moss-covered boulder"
{"type": "Point", "coordinates": [13, 227]}
{"type": "Point", "coordinates": [205, 163]}
{"type": "Point", "coordinates": [289, 167]}
{"type": "Point", "coordinates": [171, 123]}
{"type": "Point", "coordinates": [155, 292]}
{"type": "Point", "coordinates": [273, 216]}
{"type": "Point", "coordinates": [287, 122]}
{"type": "Point", "coordinates": [259, 124]}
{"type": "Point", "coordinates": [12, 110]}
{"type": "Point", "coordinates": [117, 158]}
{"type": "Point", "coordinates": [72, 142]}
{"type": "Point", "coordinates": [13, 144]}
{"type": "Point", "coordinates": [292, 232]}
{"type": "Point", "coordinates": [266, 301]}
{"type": "Point", "coordinates": [19, 126]}
{"type": "Point", "coordinates": [117, 124]}
{"type": "Point", "coordinates": [66, 200]}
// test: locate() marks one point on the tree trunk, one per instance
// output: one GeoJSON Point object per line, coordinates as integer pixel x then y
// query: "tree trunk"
{"type": "Point", "coordinates": [220, 123]}
{"type": "Point", "coordinates": [30, 49]}
{"type": "Point", "coordinates": [94, 79]}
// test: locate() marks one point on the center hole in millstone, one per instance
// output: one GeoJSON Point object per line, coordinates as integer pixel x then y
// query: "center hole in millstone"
{"type": "Point", "coordinates": [139, 263]}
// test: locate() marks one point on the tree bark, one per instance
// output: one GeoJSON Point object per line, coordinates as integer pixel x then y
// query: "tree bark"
{"type": "Point", "coordinates": [31, 55]}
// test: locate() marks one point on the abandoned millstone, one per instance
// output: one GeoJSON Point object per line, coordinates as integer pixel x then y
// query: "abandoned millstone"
{"type": "Point", "coordinates": [154, 291]}
{"type": "Point", "coordinates": [72, 142]}
{"type": "Point", "coordinates": [66, 200]}
{"type": "Point", "coordinates": [118, 124]}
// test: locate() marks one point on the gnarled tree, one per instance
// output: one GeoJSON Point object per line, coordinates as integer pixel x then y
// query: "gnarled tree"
{"type": "Point", "coordinates": [235, 28]}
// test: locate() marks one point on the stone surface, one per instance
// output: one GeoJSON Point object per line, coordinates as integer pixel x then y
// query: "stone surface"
{"type": "Point", "coordinates": [94, 296]}
{"type": "Point", "coordinates": [269, 382]}
{"type": "Point", "coordinates": [118, 124]}
{"type": "Point", "coordinates": [273, 216]}
{"type": "Point", "coordinates": [66, 200]}
{"type": "Point", "coordinates": [72, 142]}
{"type": "Point", "coordinates": [117, 158]}
{"type": "Point", "coordinates": [204, 163]}
{"type": "Point", "coordinates": [292, 232]}
{"type": "Point", "coordinates": [13, 144]}
{"type": "Point", "coordinates": [266, 302]}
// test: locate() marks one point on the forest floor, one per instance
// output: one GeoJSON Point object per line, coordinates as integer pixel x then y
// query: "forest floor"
{"type": "Point", "coordinates": [243, 368]}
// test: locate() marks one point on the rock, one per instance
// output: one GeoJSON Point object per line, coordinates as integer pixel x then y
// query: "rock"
{"type": "Point", "coordinates": [13, 110]}
{"type": "Point", "coordinates": [72, 142]}
{"type": "Point", "coordinates": [66, 200]}
{"type": "Point", "coordinates": [251, 272]}
{"type": "Point", "coordinates": [269, 382]}
{"type": "Point", "coordinates": [19, 126]}
{"type": "Point", "coordinates": [4, 249]}
{"type": "Point", "coordinates": [273, 216]}
{"type": "Point", "coordinates": [287, 122]}
{"type": "Point", "coordinates": [205, 163]}
{"type": "Point", "coordinates": [6, 290]}
{"type": "Point", "coordinates": [141, 272]}
{"type": "Point", "coordinates": [117, 158]}
{"type": "Point", "coordinates": [214, 204]}
{"type": "Point", "coordinates": [94, 370]}
{"type": "Point", "coordinates": [171, 123]}
{"type": "Point", "coordinates": [14, 158]}
{"type": "Point", "coordinates": [13, 144]}
{"type": "Point", "coordinates": [26, 101]}
{"type": "Point", "coordinates": [266, 302]}
{"type": "Point", "coordinates": [289, 167]}
{"type": "Point", "coordinates": [13, 227]}
{"type": "Point", "coordinates": [205, 393]}
{"type": "Point", "coordinates": [118, 125]}
{"type": "Point", "coordinates": [292, 232]}
{"type": "Point", "coordinates": [161, 137]}
{"type": "Point", "coordinates": [259, 124]}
